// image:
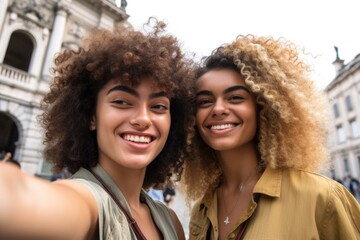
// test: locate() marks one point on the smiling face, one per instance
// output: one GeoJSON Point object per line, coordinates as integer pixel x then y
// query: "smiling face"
{"type": "Point", "coordinates": [226, 110]}
{"type": "Point", "coordinates": [131, 123]}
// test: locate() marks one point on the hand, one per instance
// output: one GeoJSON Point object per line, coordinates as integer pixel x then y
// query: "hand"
{"type": "Point", "coordinates": [7, 157]}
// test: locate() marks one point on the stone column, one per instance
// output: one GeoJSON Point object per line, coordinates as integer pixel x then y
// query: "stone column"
{"type": "Point", "coordinates": [3, 10]}
{"type": "Point", "coordinates": [55, 38]}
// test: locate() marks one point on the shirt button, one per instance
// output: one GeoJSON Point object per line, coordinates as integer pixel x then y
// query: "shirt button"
{"type": "Point", "coordinates": [232, 236]}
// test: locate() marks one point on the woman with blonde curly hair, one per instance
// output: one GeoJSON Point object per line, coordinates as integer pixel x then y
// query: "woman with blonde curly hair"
{"type": "Point", "coordinates": [260, 137]}
{"type": "Point", "coordinates": [115, 118]}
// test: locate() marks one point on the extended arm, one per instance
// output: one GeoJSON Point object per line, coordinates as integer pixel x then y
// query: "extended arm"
{"type": "Point", "coordinates": [31, 208]}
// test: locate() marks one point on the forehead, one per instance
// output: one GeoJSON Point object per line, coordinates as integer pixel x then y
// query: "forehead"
{"type": "Point", "coordinates": [220, 79]}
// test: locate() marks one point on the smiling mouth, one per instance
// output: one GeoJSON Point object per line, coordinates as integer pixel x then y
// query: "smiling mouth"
{"type": "Point", "coordinates": [222, 126]}
{"type": "Point", "coordinates": [137, 138]}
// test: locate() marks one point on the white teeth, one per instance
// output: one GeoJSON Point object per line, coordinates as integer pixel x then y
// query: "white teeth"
{"type": "Point", "coordinates": [222, 126]}
{"type": "Point", "coordinates": [135, 138]}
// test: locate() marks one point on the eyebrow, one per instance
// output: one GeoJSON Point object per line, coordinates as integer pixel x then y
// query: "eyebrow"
{"type": "Point", "coordinates": [237, 87]}
{"type": "Point", "coordinates": [133, 92]}
{"type": "Point", "coordinates": [230, 89]}
{"type": "Point", "coordinates": [124, 89]}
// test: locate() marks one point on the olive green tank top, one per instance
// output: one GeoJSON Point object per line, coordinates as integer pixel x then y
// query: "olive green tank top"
{"type": "Point", "coordinates": [112, 221]}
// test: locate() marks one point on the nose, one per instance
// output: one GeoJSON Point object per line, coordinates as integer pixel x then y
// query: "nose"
{"type": "Point", "coordinates": [141, 119]}
{"type": "Point", "coordinates": [220, 108]}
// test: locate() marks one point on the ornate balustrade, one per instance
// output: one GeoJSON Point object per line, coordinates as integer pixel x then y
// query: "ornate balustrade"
{"type": "Point", "coordinates": [17, 78]}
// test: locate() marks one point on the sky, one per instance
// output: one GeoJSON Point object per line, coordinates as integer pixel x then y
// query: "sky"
{"type": "Point", "coordinates": [316, 25]}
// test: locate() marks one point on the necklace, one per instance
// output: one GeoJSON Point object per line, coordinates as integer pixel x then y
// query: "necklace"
{"type": "Point", "coordinates": [226, 220]}
{"type": "Point", "coordinates": [241, 190]}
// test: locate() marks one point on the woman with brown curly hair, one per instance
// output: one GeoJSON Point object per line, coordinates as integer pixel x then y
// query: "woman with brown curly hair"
{"type": "Point", "coordinates": [115, 117]}
{"type": "Point", "coordinates": [260, 136]}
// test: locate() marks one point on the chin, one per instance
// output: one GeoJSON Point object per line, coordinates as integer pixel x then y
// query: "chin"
{"type": "Point", "coordinates": [137, 163]}
{"type": "Point", "coordinates": [219, 147]}
{"type": "Point", "coordinates": [216, 148]}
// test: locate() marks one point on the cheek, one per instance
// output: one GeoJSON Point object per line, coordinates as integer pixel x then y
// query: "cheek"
{"type": "Point", "coordinates": [252, 119]}
{"type": "Point", "coordinates": [165, 122]}
{"type": "Point", "coordinates": [168, 124]}
{"type": "Point", "coordinates": [199, 117]}
{"type": "Point", "coordinates": [253, 130]}
{"type": "Point", "coordinates": [200, 128]}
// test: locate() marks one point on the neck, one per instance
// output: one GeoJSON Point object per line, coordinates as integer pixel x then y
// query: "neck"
{"type": "Point", "coordinates": [238, 165]}
{"type": "Point", "coordinates": [129, 181]}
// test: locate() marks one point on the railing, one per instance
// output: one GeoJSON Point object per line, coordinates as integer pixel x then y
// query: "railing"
{"type": "Point", "coordinates": [17, 78]}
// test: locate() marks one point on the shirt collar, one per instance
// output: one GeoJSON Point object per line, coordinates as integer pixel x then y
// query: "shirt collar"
{"type": "Point", "coordinates": [209, 197]}
{"type": "Point", "coordinates": [268, 184]}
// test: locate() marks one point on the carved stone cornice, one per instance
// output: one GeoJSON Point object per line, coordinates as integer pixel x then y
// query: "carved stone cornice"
{"type": "Point", "coordinates": [62, 5]}
{"type": "Point", "coordinates": [111, 6]}
{"type": "Point", "coordinates": [345, 150]}
{"type": "Point", "coordinates": [37, 12]}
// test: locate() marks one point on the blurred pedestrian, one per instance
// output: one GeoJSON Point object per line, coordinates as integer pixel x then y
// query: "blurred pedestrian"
{"type": "Point", "coordinates": [352, 184]}
{"type": "Point", "coordinates": [156, 194]}
{"type": "Point", "coordinates": [169, 195]}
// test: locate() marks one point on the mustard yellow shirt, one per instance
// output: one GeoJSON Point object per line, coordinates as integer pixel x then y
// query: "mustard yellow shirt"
{"type": "Point", "coordinates": [293, 204]}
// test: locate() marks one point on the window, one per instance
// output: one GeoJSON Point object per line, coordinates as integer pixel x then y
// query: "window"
{"type": "Point", "coordinates": [355, 129]}
{"type": "Point", "coordinates": [336, 110]}
{"type": "Point", "coordinates": [19, 51]}
{"type": "Point", "coordinates": [340, 134]}
{"type": "Point", "coordinates": [349, 105]}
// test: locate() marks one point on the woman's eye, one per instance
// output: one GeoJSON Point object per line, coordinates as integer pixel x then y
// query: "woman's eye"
{"type": "Point", "coordinates": [236, 98]}
{"type": "Point", "coordinates": [203, 102]}
{"type": "Point", "coordinates": [120, 102]}
{"type": "Point", "coordinates": [160, 107]}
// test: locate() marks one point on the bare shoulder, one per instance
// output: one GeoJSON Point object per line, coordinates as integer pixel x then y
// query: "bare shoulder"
{"type": "Point", "coordinates": [80, 194]}
{"type": "Point", "coordinates": [75, 186]}
{"type": "Point", "coordinates": [79, 190]}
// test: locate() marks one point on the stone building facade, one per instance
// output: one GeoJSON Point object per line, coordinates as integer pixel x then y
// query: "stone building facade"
{"type": "Point", "coordinates": [31, 33]}
{"type": "Point", "coordinates": [344, 96]}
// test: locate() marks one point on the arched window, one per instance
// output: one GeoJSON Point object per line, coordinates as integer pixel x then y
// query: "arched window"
{"type": "Point", "coordinates": [19, 51]}
{"type": "Point", "coordinates": [9, 134]}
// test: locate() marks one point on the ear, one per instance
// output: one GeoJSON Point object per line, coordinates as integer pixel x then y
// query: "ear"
{"type": "Point", "coordinates": [92, 124]}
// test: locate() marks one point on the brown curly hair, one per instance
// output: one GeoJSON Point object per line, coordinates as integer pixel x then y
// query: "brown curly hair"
{"type": "Point", "coordinates": [79, 76]}
{"type": "Point", "coordinates": [292, 116]}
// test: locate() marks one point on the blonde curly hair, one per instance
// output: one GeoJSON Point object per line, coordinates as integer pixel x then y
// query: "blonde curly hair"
{"type": "Point", "coordinates": [292, 116]}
